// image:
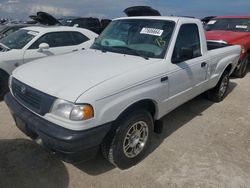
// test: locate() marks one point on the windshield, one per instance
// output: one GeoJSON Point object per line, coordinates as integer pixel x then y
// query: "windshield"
{"type": "Point", "coordinates": [229, 24]}
{"type": "Point", "coordinates": [18, 39]}
{"type": "Point", "coordinates": [141, 37]}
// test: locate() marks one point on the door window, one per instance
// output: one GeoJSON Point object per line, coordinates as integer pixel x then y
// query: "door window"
{"type": "Point", "coordinates": [187, 44]}
{"type": "Point", "coordinates": [55, 39]}
{"type": "Point", "coordinates": [79, 38]}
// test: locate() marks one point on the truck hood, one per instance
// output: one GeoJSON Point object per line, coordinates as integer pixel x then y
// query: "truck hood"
{"type": "Point", "coordinates": [71, 75]}
{"type": "Point", "coordinates": [228, 36]}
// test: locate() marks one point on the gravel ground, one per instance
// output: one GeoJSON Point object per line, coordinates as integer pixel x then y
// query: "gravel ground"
{"type": "Point", "coordinates": [203, 145]}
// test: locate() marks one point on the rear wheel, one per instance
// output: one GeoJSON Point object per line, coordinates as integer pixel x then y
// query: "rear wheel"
{"type": "Point", "coordinates": [218, 93]}
{"type": "Point", "coordinates": [242, 70]}
{"type": "Point", "coordinates": [130, 140]}
{"type": "Point", "coordinates": [3, 84]}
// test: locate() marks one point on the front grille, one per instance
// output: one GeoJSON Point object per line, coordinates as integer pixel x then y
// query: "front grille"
{"type": "Point", "coordinates": [33, 99]}
{"type": "Point", "coordinates": [27, 96]}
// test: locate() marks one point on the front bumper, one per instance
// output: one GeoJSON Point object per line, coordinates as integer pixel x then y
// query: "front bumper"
{"type": "Point", "coordinates": [71, 146]}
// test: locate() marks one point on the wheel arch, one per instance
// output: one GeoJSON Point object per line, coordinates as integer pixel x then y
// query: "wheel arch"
{"type": "Point", "coordinates": [229, 69]}
{"type": "Point", "coordinates": [147, 104]}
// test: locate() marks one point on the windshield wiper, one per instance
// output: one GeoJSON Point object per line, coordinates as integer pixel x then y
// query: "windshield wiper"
{"type": "Point", "coordinates": [134, 52]}
{"type": "Point", "coordinates": [104, 49]}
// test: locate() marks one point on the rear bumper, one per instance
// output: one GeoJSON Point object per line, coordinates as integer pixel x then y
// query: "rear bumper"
{"type": "Point", "coordinates": [71, 146]}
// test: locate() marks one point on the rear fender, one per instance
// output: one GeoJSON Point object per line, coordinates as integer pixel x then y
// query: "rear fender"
{"type": "Point", "coordinates": [223, 64]}
{"type": "Point", "coordinates": [218, 69]}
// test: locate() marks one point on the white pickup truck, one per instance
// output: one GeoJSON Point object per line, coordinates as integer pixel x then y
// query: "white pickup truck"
{"type": "Point", "coordinates": [114, 95]}
{"type": "Point", "coordinates": [36, 42]}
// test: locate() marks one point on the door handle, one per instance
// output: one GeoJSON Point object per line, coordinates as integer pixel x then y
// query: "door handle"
{"type": "Point", "coordinates": [164, 79]}
{"type": "Point", "coordinates": [75, 50]}
{"type": "Point", "coordinates": [203, 64]}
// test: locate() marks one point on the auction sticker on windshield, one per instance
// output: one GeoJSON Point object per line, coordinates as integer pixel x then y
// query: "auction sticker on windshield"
{"type": "Point", "coordinates": [152, 31]}
{"type": "Point", "coordinates": [241, 26]}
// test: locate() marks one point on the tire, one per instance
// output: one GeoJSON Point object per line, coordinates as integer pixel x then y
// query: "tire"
{"type": "Point", "coordinates": [218, 93]}
{"type": "Point", "coordinates": [242, 70]}
{"type": "Point", "coordinates": [3, 84]}
{"type": "Point", "coordinates": [128, 144]}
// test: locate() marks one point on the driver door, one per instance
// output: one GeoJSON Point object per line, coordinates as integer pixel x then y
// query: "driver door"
{"type": "Point", "coordinates": [188, 69]}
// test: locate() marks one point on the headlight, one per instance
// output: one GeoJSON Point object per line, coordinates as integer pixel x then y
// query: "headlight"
{"type": "Point", "coordinates": [71, 111]}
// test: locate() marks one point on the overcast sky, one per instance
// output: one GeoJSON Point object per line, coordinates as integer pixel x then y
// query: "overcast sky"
{"type": "Point", "coordinates": [21, 9]}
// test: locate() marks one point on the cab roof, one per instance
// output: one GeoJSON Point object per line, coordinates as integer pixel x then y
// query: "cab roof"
{"type": "Point", "coordinates": [170, 18]}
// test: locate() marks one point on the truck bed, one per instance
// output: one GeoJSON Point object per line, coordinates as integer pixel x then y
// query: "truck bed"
{"type": "Point", "coordinates": [211, 45]}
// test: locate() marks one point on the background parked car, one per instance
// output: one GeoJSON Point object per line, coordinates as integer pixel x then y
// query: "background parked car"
{"type": "Point", "coordinates": [32, 43]}
{"type": "Point", "coordinates": [3, 20]}
{"type": "Point", "coordinates": [206, 19]}
{"type": "Point", "coordinates": [141, 11]}
{"type": "Point", "coordinates": [90, 23]}
{"type": "Point", "coordinates": [45, 19]}
{"type": "Point", "coordinates": [105, 23]}
{"type": "Point", "coordinates": [232, 30]}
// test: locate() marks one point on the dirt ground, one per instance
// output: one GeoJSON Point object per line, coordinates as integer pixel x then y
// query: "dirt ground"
{"type": "Point", "coordinates": [204, 145]}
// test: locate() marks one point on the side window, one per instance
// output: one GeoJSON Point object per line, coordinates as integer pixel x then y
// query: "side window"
{"type": "Point", "coordinates": [55, 39]}
{"type": "Point", "coordinates": [188, 44]}
{"type": "Point", "coordinates": [79, 38]}
{"type": "Point", "coordinates": [42, 39]}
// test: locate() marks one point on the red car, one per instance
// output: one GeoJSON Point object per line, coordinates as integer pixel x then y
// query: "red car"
{"type": "Point", "coordinates": [232, 30]}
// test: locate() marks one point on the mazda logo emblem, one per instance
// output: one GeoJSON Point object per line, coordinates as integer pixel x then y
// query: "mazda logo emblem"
{"type": "Point", "coordinates": [23, 90]}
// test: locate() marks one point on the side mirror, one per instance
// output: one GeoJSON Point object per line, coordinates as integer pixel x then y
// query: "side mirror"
{"type": "Point", "coordinates": [43, 47]}
{"type": "Point", "coordinates": [184, 54]}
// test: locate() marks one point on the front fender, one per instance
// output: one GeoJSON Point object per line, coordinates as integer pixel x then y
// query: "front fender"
{"type": "Point", "coordinates": [110, 108]}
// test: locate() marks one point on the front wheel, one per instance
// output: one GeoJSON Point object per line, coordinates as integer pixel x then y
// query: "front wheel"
{"type": "Point", "coordinates": [130, 140]}
{"type": "Point", "coordinates": [218, 93]}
